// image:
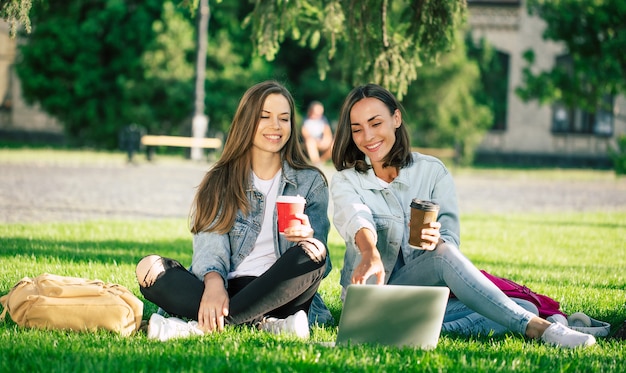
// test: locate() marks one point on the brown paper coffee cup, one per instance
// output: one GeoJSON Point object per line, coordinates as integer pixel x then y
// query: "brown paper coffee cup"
{"type": "Point", "coordinates": [422, 213]}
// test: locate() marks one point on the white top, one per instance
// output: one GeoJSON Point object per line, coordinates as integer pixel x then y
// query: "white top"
{"type": "Point", "coordinates": [263, 256]}
{"type": "Point", "coordinates": [382, 182]}
{"type": "Point", "coordinates": [315, 127]}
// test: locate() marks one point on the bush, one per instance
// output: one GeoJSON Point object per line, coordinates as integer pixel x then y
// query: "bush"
{"type": "Point", "coordinates": [618, 156]}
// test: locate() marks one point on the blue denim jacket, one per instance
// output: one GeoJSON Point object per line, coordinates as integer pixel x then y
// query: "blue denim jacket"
{"type": "Point", "coordinates": [213, 252]}
{"type": "Point", "coordinates": [361, 202]}
{"type": "Point", "coordinates": [221, 253]}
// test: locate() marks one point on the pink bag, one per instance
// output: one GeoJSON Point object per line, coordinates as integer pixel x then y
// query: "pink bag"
{"type": "Point", "coordinates": [546, 305]}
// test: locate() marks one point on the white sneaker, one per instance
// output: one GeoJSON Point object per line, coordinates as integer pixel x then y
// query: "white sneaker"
{"type": "Point", "coordinates": [296, 324]}
{"type": "Point", "coordinates": [162, 328]}
{"type": "Point", "coordinates": [561, 336]}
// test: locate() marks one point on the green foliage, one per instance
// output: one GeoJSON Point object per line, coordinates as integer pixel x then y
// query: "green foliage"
{"type": "Point", "coordinates": [83, 64]}
{"type": "Point", "coordinates": [618, 155]}
{"type": "Point", "coordinates": [442, 107]}
{"type": "Point", "coordinates": [162, 100]}
{"type": "Point", "coordinates": [377, 41]}
{"type": "Point", "coordinates": [232, 66]}
{"type": "Point", "coordinates": [298, 65]}
{"type": "Point", "coordinates": [15, 12]}
{"type": "Point", "coordinates": [494, 77]}
{"type": "Point", "coordinates": [103, 65]}
{"type": "Point", "coordinates": [96, 83]}
{"type": "Point", "coordinates": [544, 252]}
{"type": "Point", "coordinates": [594, 34]}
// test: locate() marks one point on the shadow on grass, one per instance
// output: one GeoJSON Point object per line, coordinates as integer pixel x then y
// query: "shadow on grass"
{"type": "Point", "coordinates": [551, 220]}
{"type": "Point", "coordinates": [106, 252]}
{"type": "Point", "coordinates": [585, 224]}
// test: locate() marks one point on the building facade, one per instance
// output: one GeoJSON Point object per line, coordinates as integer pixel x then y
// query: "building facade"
{"type": "Point", "coordinates": [17, 118]}
{"type": "Point", "coordinates": [528, 132]}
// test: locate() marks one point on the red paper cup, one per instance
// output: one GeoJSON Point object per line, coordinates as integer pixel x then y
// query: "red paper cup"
{"type": "Point", "coordinates": [288, 207]}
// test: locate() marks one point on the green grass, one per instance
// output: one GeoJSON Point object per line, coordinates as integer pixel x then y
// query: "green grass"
{"type": "Point", "coordinates": [578, 259]}
{"type": "Point", "coordinates": [543, 174]}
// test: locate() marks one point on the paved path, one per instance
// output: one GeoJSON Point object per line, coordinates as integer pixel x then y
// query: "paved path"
{"type": "Point", "coordinates": [64, 191]}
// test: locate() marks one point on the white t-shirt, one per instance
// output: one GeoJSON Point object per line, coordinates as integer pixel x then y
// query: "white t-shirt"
{"type": "Point", "coordinates": [315, 127]}
{"type": "Point", "coordinates": [263, 256]}
{"type": "Point", "coordinates": [382, 183]}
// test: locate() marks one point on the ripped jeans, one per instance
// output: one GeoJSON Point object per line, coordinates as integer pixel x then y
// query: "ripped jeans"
{"type": "Point", "coordinates": [288, 286]}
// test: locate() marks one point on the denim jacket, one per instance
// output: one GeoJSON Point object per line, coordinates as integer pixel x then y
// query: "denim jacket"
{"type": "Point", "coordinates": [361, 202]}
{"type": "Point", "coordinates": [221, 253]}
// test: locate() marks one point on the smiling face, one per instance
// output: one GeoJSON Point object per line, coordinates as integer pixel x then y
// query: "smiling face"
{"type": "Point", "coordinates": [374, 128]}
{"type": "Point", "coordinates": [274, 127]}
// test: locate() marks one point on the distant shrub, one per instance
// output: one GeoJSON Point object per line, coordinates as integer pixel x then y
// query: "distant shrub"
{"type": "Point", "coordinates": [618, 155]}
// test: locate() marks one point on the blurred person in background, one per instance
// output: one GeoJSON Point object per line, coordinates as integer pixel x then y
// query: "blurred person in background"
{"type": "Point", "coordinates": [317, 134]}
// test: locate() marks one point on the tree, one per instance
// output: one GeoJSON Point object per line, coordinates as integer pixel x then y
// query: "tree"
{"type": "Point", "coordinates": [594, 35]}
{"type": "Point", "coordinates": [85, 71]}
{"type": "Point", "coordinates": [96, 82]}
{"type": "Point", "coordinates": [298, 65]}
{"type": "Point", "coordinates": [377, 41]}
{"type": "Point", "coordinates": [16, 12]}
{"type": "Point", "coordinates": [151, 83]}
{"type": "Point", "coordinates": [493, 67]}
{"type": "Point", "coordinates": [444, 106]}
{"type": "Point", "coordinates": [162, 100]}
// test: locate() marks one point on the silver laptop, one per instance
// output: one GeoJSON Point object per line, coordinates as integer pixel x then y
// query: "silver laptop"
{"type": "Point", "coordinates": [393, 315]}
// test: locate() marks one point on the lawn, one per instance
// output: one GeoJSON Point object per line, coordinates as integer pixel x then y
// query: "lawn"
{"type": "Point", "coordinates": [578, 259]}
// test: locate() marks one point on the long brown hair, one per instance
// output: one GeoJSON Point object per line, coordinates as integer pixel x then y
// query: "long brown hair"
{"type": "Point", "coordinates": [345, 152]}
{"type": "Point", "coordinates": [222, 191]}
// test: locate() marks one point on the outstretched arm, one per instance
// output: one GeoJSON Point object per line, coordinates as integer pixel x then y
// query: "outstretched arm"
{"type": "Point", "coordinates": [371, 264]}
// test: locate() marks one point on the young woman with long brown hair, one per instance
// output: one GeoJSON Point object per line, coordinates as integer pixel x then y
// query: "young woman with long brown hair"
{"type": "Point", "coordinates": [378, 177]}
{"type": "Point", "coordinates": [243, 271]}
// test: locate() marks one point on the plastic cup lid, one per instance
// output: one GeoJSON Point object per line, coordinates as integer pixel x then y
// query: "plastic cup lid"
{"type": "Point", "coordinates": [424, 205]}
{"type": "Point", "coordinates": [290, 199]}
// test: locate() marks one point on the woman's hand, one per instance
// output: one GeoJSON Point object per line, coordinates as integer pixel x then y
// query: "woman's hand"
{"type": "Point", "coordinates": [431, 236]}
{"type": "Point", "coordinates": [214, 304]}
{"type": "Point", "coordinates": [299, 232]}
{"type": "Point", "coordinates": [370, 265]}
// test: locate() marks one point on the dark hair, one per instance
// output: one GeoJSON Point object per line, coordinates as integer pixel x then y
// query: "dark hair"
{"type": "Point", "coordinates": [345, 152]}
{"type": "Point", "coordinates": [312, 105]}
{"type": "Point", "coordinates": [222, 192]}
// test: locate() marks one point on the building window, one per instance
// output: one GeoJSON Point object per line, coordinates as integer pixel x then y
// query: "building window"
{"type": "Point", "coordinates": [498, 89]}
{"type": "Point", "coordinates": [494, 76]}
{"type": "Point", "coordinates": [578, 121]}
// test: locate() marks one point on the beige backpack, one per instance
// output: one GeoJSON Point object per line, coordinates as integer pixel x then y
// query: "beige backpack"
{"type": "Point", "coordinates": [58, 302]}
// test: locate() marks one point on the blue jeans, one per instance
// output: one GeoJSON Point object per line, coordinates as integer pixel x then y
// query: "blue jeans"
{"type": "Point", "coordinates": [461, 319]}
{"type": "Point", "coordinates": [447, 266]}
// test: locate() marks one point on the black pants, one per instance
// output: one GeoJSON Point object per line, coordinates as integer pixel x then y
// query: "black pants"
{"type": "Point", "coordinates": [285, 288]}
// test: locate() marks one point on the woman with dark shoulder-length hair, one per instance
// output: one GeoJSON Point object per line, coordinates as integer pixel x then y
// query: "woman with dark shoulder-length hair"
{"type": "Point", "coordinates": [378, 179]}
{"type": "Point", "coordinates": [243, 271]}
